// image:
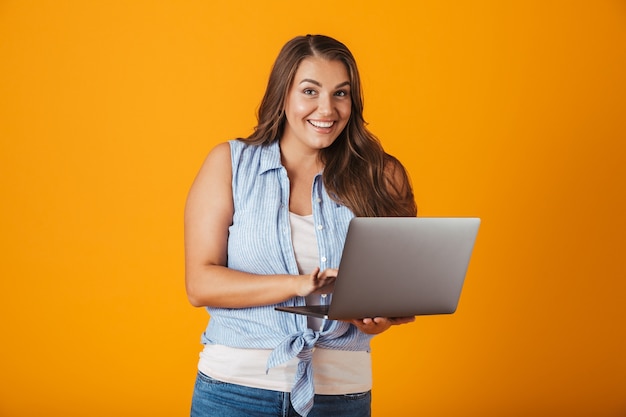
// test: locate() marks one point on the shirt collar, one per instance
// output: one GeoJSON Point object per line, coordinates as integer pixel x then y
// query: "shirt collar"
{"type": "Point", "coordinates": [270, 157]}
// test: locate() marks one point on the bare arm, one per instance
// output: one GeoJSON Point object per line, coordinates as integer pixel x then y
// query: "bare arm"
{"type": "Point", "coordinates": [208, 215]}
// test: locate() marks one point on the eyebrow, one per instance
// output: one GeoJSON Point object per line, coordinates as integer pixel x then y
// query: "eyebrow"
{"type": "Point", "coordinates": [317, 83]}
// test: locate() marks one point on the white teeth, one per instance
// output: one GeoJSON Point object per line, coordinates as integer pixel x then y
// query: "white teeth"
{"type": "Point", "coordinates": [321, 124]}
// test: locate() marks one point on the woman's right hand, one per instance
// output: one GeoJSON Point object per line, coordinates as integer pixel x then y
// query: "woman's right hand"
{"type": "Point", "coordinates": [316, 282]}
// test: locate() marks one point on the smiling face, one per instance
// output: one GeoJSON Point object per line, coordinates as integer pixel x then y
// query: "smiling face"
{"type": "Point", "coordinates": [318, 104]}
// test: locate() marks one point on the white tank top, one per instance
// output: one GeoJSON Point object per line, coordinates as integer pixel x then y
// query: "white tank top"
{"type": "Point", "coordinates": [307, 255]}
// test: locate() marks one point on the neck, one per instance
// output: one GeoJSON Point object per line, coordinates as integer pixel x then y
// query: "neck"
{"type": "Point", "coordinates": [300, 159]}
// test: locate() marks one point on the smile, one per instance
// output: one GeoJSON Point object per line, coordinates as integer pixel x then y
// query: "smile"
{"type": "Point", "coordinates": [321, 124]}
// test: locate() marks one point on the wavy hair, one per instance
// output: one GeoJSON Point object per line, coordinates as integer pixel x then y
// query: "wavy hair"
{"type": "Point", "coordinates": [358, 173]}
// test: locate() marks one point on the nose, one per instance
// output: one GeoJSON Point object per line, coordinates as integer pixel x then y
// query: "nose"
{"type": "Point", "coordinates": [325, 105]}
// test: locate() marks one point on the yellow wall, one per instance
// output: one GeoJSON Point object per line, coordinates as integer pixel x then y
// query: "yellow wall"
{"type": "Point", "coordinates": [511, 111]}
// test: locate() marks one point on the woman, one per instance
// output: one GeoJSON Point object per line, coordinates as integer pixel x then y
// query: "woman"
{"type": "Point", "coordinates": [265, 223]}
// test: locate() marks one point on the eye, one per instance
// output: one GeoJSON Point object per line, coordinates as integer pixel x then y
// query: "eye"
{"type": "Point", "coordinates": [342, 93]}
{"type": "Point", "coordinates": [309, 91]}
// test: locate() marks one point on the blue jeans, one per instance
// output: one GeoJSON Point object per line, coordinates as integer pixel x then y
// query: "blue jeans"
{"type": "Point", "coordinates": [213, 398]}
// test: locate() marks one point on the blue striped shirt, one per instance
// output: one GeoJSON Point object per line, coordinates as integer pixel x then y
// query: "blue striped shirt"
{"type": "Point", "coordinates": [260, 242]}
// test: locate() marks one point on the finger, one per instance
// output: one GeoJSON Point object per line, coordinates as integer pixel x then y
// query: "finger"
{"type": "Point", "coordinates": [329, 273]}
{"type": "Point", "coordinates": [403, 320]}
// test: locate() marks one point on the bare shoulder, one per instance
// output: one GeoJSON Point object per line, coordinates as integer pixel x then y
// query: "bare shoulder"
{"type": "Point", "coordinates": [213, 181]}
{"type": "Point", "coordinates": [216, 165]}
{"type": "Point", "coordinates": [221, 150]}
{"type": "Point", "coordinates": [219, 156]}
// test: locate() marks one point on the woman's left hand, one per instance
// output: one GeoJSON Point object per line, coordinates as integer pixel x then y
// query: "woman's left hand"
{"type": "Point", "coordinates": [378, 325]}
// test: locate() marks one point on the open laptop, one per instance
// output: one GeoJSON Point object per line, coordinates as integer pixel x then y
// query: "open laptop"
{"type": "Point", "coordinates": [399, 267]}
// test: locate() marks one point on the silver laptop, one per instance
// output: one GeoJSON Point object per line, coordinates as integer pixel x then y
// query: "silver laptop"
{"type": "Point", "coordinates": [399, 267]}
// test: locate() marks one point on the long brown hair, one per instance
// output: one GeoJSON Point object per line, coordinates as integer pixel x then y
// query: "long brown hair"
{"type": "Point", "coordinates": [357, 171]}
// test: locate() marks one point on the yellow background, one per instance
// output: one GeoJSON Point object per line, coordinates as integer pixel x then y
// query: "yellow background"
{"type": "Point", "coordinates": [511, 111]}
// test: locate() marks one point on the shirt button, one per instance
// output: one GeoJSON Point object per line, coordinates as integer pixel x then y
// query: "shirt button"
{"type": "Point", "coordinates": [323, 259]}
{"type": "Point", "coordinates": [318, 200]}
{"type": "Point", "coordinates": [320, 227]}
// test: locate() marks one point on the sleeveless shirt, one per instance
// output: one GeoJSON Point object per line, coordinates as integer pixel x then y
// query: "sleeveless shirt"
{"type": "Point", "coordinates": [260, 243]}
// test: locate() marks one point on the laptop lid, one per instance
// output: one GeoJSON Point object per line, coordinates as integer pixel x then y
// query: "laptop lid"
{"type": "Point", "coordinates": [401, 266]}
